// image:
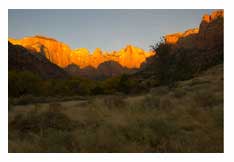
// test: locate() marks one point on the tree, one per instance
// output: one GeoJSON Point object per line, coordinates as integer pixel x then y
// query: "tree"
{"type": "Point", "coordinates": [23, 83]}
{"type": "Point", "coordinates": [124, 84]}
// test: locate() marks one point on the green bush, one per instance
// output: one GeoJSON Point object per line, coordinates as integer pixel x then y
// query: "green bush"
{"type": "Point", "coordinates": [114, 101]}
{"type": "Point", "coordinates": [173, 63]}
{"type": "Point", "coordinates": [206, 99]}
{"type": "Point", "coordinates": [151, 102]}
{"type": "Point", "coordinates": [24, 83]}
{"type": "Point", "coordinates": [21, 83]}
{"type": "Point", "coordinates": [97, 90]}
{"type": "Point", "coordinates": [55, 141]}
{"type": "Point", "coordinates": [166, 103]}
{"type": "Point", "coordinates": [39, 122]}
{"type": "Point", "coordinates": [126, 85]}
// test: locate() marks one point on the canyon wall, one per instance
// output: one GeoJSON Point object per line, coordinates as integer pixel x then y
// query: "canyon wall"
{"type": "Point", "coordinates": [61, 54]}
{"type": "Point", "coordinates": [207, 36]}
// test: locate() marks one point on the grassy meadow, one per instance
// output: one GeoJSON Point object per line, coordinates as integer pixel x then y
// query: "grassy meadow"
{"type": "Point", "coordinates": [187, 117]}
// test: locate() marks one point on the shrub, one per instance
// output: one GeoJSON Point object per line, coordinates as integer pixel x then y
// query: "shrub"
{"type": "Point", "coordinates": [55, 107]}
{"type": "Point", "coordinates": [206, 98]}
{"type": "Point", "coordinates": [39, 122]}
{"type": "Point", "coordinates": [55, 141]}
{"type": "Point", "coordinates": [110, 85]}
{"type": "Point", "coordinates": [123, 84]}
{"type": "Point", "coordinates": [166, 103]}
{"type": "Point", "coordinates": [21, 83]}
{"type": "Point", "coordinates": [179, 92]}
{"type": "Point", "coordinates": [162, 90]}
{"type": "Point", "coordinates": [114, 101]}
{"type": "Point", "coordinates": [151, 102]}
{"type": "Point", "coordinates": [25, 123]}
{"type": "Point", "coordinates": [173, 63]}
{"type": "Point", "coordinates": [24, 99]}
{"type": "Point", "coordinates": [163, 62]}
{"type": "Point", "coordinates": [97, 90]}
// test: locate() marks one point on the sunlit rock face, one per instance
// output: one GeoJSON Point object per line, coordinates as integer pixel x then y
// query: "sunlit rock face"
{"type": "Point", "coordinates": [130, 57]}
{"type": "Point", "coordinates": [57, 52]}
{"type": "Point", "coordinates": [211, 30]}
{"type": "Point", "coordinates": [96, 58]}
{"type": "Point", "coordinates": [174, 38]}
{"type": "Point", "coordinates": [61, 55]}
{"type": "Point", "coordinates": [80, 57]}
{"type": "Point", "coordinates": [20, 58]}
{"type": "Point", "coordinates": [208, 35]}
{"type": "Point", "coordinates": [214, 15]}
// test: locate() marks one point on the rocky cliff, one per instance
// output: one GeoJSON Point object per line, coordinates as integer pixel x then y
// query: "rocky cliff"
{"type": "Point", "coordinates": [174, 38]}
{"type": "Point", "coordinates": [56, 52]}
{"type": "Point", "coordinates": [61, 54]}
{"type": "Point", "coordinates": [21, 59]}
{"type": "Point", "coordinates": [209, 34]}
{"type": "Point", "coordinates": [182, 56]}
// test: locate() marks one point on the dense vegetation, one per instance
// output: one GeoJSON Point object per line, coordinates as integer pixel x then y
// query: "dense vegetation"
{"type": "Point", "coordinates": [28, 83]}
{"type": "Point", "coordinates": [173, 64]}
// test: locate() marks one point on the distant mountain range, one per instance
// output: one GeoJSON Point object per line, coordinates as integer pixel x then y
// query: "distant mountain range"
{"type": "Point", "coordinates": [52, 58]}
{"type": "Point", "coordinates": [81, 62]}
{"type": "Point", "coordinates": [61, 54]}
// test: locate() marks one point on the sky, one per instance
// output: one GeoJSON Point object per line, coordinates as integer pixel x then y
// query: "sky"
{"type": "Point", "coordinates": [106, 29]}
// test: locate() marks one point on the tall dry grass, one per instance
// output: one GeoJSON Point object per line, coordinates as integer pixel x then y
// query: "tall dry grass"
{"type": "Point", "coordinates": [185, 118]}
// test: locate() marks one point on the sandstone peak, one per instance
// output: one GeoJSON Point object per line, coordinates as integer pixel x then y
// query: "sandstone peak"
{"type": "Point", "coordinates": [20, 58]}
{"type": "Point", "coordinates": [81, 50]}
{"type": "Point", "coordinates": [61, 54]}
{"type": "Point", "coordinates": [209, 34]}
{"type": "Point", "coordinates": [187, 38]}
{"type": "Point", "coordinates": [44, 37]}
{"type": "Point", "coordinates": [214, 15]}
{"type": "Point", "coordinates": [174, 38]}
{"type": "Point", "coordinates": [97, 51]}
{"type": "Point", "coordinates": [190, 32]}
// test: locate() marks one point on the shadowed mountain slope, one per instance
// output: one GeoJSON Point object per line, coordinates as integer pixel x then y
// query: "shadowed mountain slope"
{"type": "Point", "coordinates": [21, 59]}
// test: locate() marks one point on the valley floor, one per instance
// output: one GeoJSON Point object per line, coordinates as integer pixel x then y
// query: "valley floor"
{"type": "Point", "coordinates": [185, 118]}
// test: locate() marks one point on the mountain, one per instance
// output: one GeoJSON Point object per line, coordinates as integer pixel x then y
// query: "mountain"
{"type": "Point", "coordinates": [176, 37]}
{"type": "Point", "coordinates": [110, 68]}
{"type": "Point", "coordinates": [205, 43]}
{"type": "Point", "coordinates": [183, 55]}
{"type": "Point", "coordinates": [104, 70]}
{"type": "Point", "coordinates": [56, 52]}
{"type": "Point", "coordinates": [62, 55]}
{"type": "Point", "coordinates": [20, 58]}
{"type": "Point", "coordinates": [209, 34]}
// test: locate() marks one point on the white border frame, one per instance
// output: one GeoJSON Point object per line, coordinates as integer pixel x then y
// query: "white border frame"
{"type": "Point", "coordinates": [119, 4]}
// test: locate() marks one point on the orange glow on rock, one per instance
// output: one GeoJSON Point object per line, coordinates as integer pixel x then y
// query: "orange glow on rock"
{"type": "Point", "coordinates": [61, 54]}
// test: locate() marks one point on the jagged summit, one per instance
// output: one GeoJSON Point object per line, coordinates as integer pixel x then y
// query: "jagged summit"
{"type": "Point", "coordinates": [206, 36]}
{"type": "Point", "coordinates": [214, 15]}
{"type": "Point", "coordinates": [173, 38]}
{"type": "Point", "coordinates": [62, 55]}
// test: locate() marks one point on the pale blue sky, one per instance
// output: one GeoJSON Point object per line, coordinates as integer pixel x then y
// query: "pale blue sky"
{"type": "Point", "coordinates": [106, 29]}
